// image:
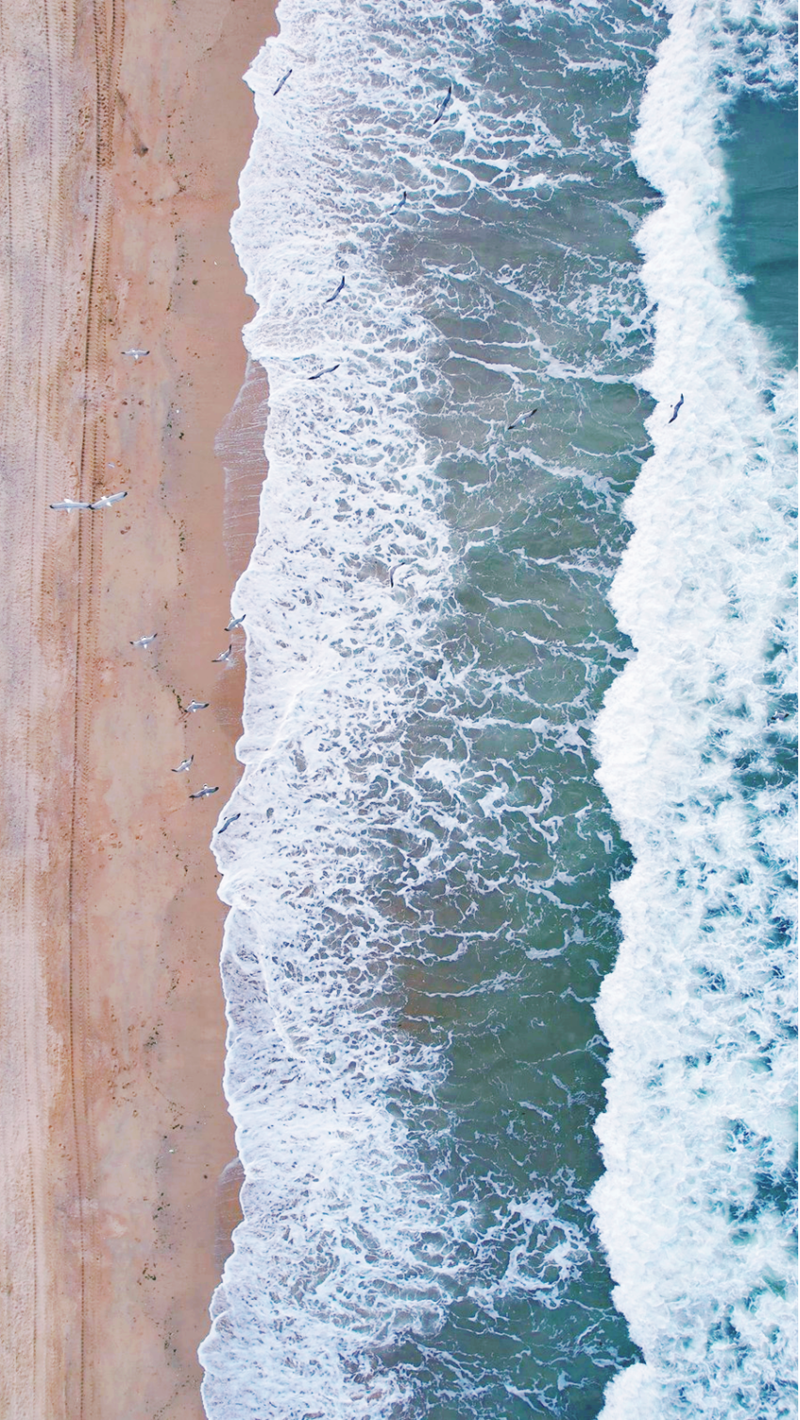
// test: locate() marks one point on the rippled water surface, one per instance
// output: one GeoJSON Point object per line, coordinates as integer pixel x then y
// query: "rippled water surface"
{"type": "Point", "coordinates": [480, 532]}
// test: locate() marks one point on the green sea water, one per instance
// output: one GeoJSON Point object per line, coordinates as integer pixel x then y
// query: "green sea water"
{"type": "Point", "coordinates": [761, 228]}
{"type": "Point", "coordinates": [422, 876]}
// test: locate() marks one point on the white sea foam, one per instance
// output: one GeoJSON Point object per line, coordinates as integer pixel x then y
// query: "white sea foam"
{"type": "Point", "coordinates": [342, 1246]}
{"type": "Point", "coordinates": [699, 1126]}
{"type": "Point", "coordinates": [348, 1243]}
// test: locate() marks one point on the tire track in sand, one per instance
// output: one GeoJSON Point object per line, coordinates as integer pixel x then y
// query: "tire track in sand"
{"type": "Point", "coordinates": [108, 30]}
{"type": "Point", "coordinates": [48, 1305]}
{"type": "Point", "coordinates": [23, 1335]}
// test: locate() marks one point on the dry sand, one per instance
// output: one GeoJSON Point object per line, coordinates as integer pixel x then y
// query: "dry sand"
{"type": "Point", "coordinates": [127, 127]}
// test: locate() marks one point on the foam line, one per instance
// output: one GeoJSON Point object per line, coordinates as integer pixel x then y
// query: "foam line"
{"type": "Point", "coordinates": [698, 1135]}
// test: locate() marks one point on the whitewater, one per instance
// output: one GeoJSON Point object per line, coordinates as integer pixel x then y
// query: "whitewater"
{"type": "Point", "coordinates": [699, 1136]}
{"type": "Point", "coordinates": [518, 730]}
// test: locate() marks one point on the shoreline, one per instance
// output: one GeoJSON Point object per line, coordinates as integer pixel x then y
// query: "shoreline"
{"type": "Point", "coordinates": [115, 1129]}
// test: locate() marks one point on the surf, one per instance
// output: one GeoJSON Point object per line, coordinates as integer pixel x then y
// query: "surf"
{"type": "Point", "coordinates": [694, 743]}
{"type": "Point", "coordinates": [420, 878]}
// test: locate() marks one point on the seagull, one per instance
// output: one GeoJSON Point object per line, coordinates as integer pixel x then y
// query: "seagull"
{"type": "Point", "coordinates": [69, 505]}
{"type": "Point", "coordinates": [400, 204]}
{"type": "Point", "coordinates": [394, 569]}
{"type": "Point", "coordinates": [145, 640]}
{"type": "Point", "coordinates": [445, 101]}
{"type": "Point", "coordinates": [205, 791]}
{"type": "Point", "coordinates": [281, 83]}
{"type": "Point", "coordinates": [184, 765]}
{"type": "Point", "coordinates": [675, 411]}
{"type": "Point", "coordinates": [136, 354]}
{"type": "Point", "coordinates": [107, 500]}
{"type": "Point", "coordinates": [237, 621]}
{"type": "Point", "coordinates": [523, 417]}
{"type": "Point", "coordinates": [228, 823]}
{"type": "Point", "coordinates": [197, 705]}
{"type": "Point", "coordinates": [320, 373]}
{"type": "Point", "coordinates": [339, 288]}
{"type": "Point", "coordinates": [226, 655]}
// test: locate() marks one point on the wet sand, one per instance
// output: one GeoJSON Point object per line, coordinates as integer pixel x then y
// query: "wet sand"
{"type": "Point", "coordinates": [127, 128]}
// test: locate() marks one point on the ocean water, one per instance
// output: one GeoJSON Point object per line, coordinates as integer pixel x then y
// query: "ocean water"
{"type": "Point", "coordinates": [509, 960]}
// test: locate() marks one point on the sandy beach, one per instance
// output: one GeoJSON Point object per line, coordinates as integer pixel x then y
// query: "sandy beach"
{"type": "Point", "coordinates": [126, 130]}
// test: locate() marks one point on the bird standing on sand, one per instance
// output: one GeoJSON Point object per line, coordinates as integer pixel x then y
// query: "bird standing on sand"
{"type": "Point", "coordinates": [107, 501]}
{"type": "Point", "coordinates": [676, 411]}
{"type": "Point", "coordinates": [205, 791]}
{"type": "Point", "coordinates": [145, 640]}
{"type": "Point", "coordinates": [237, 621]}
{"type": "Point", "coordinates": [136, 354]}
{"type": "Point", "coordinates": [339, 288]}
{"type": "Point", "coordinates": [226, 655]}
{"type": "Point", "coordinates": [281, 83]}
{"type": "Point", "coordinates": [196, 705]}
{"type": "Point", "coordinates": [227, 824]}
{"type": "Point", "coordinates": [320, 373]}
{"type": "Point", "coordinates": [69, 505]}
{"type": "Point", "coordinates": [184, 765]}
{"type": "Point", "coordinates": [445, 101]}
{"type": "Point", "coordinates": [523, 417]}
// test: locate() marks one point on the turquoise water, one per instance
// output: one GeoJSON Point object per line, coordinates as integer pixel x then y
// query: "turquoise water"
{"type": "Point", "coordinates": [761, 232]}
{"type": "Point", "coordinates": [509, 1064]}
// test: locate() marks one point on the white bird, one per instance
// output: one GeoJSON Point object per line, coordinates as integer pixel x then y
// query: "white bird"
{"type": "Point", "coordinates": [197, 705]}
{"type": "Point", "coordinates": [226, 655]}
{"type": "Point", "coordinates": [145, 640]}
{"type": "Point", "coordinates": [107, 500]}
{"type": "Point", "coordinates": [184, 765]}
{"type": "Point", "coordinates": [237, 621]}
{"type": "Point", "coordinates": [136, 354]}
{"type": "Point", "coordinates": [522, 417]}
{"type": "Point", "coordinates": [228, 823]}
{"type": "Point", "coordinates": [69, 505]}
{"type": "Point", "coordinates": [281, 83]}
{"type": "Point", "coordinates": [205, 791]}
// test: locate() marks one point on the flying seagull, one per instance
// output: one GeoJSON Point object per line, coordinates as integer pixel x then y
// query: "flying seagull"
{"type": "Point", "coordinates": [237, 621]}
{"type": "Point", "coordinates": [205, 791]}
{"type": "Point", "coordinates": [521, 420]}
{"type": "Point", "coordinates": [676, 411]}
{"type": "Point", "coordinates": [145, 640]}
{"type": "Point", "coordinates": [197, 705]}
{"type": "Point", "coordinates": [136, 354]}
{"type": "Point", "coordinates": [281, 83]}
{"type": "Point", "coordinates": [445, 101]}
{"type": "Point", "coordinates": [184, 765]}
{"type": "Point", "coordinates": [398, 205]}
{"type": "Point", "coordinates": [228, 823]}
{"type": "Point", "coordinates": [69, 505]}
{"type": "Point", "coordinates": [394, 569]}
{"type": "Point", "coordinates": [106, 501]}
{"type": "Point", "coordinates": [339, 288]}
{"type": "Point", "coordinates": [320, 373]}
{"type": "Point", "coordinates": [226, 655]}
